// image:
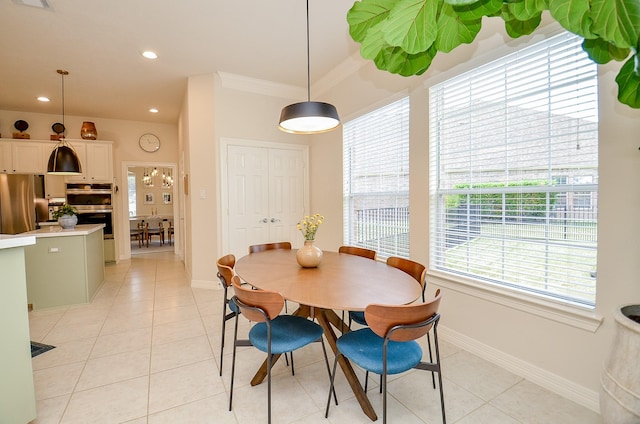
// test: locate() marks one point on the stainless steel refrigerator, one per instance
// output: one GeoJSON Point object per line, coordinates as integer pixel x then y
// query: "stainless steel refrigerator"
{"type": "Point", "coordinates": [22, 202]}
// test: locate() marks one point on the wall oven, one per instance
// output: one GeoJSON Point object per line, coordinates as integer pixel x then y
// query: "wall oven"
{"type": "Point", "coordinates": [93, 202]}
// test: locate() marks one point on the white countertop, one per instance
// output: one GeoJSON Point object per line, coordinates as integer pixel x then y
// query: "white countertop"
{"type": "Point", "coordinates": [8, 241]}
{"type": "Point", "coordinates": [57, 231]}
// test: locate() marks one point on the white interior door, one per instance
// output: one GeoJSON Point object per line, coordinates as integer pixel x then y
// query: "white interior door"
{"type": "Point", "coordinates": [266, 195]}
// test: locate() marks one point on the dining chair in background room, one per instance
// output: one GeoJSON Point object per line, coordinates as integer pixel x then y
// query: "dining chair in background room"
{"type": "Point", "coordinates": [136, 231]}
{"type": "Point", "coordinates": [225, 274]}
{"type": "Point", "coordinates": [273, 333]}
{"type": "Point", "coordinates": [389, 346]}
{"type": "Point", "coordinates": [365, 253]}
{"type": "Point", "coordinates": [154, 228]}
{"type": "Point", "coordinates": [170, 232]}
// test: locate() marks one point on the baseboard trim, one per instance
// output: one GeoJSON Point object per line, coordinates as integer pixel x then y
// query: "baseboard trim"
{"type": "Point", "coordinates": [550, 381]}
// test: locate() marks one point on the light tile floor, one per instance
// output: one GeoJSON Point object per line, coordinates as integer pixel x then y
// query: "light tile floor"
{"type": "Point", "coordinates": [147, 349]}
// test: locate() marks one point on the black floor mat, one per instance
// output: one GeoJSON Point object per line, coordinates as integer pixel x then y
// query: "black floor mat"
{"type": "Point", "coordinates": [38, 348]}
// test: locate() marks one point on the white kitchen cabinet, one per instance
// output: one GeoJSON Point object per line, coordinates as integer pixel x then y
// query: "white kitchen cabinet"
{"type": "Point", "coordinates": [54, 186]}
{"type": "Point", "coordinates": [96, 160]}
{"type": "Point", "coordinates": [22, 157]}
{"type": "Point", "coordinates": [6, 161]}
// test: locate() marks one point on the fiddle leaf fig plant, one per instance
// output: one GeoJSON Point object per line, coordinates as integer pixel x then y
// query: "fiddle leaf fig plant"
{"type": "Point", "coordinates": [404, 36]}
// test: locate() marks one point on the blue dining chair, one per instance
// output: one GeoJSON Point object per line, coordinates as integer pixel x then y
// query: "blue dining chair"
{"type": "Point", "coordinates": [273, 333]}
{"type": "Point", "coordinates": [389, 346]}
{"type": "Point", "coordinates": [225, 273]}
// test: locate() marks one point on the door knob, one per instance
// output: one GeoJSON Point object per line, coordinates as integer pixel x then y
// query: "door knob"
{"type": "Point", "coordinates": [264, 221]}
{"type": "Point", "coordinates": [275, 220]}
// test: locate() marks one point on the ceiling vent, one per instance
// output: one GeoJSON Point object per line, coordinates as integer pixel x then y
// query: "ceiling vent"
{"type": "Point", "coordinates": [42, 4]}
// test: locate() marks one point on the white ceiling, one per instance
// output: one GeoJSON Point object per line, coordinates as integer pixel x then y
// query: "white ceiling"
{"type": "Point", "coordinates": [99, 43]}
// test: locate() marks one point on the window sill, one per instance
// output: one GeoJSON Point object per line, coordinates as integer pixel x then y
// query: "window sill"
{"type": "Point", "coordinates": [575, 316]}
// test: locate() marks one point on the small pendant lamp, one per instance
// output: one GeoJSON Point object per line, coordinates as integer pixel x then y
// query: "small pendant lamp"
{"type": "Point", "coordinates": [63, 160]}
{"type": "Point", "coordinates": [308, 117]}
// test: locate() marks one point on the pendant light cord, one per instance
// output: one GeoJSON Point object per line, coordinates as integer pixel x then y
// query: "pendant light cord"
{"type": "Point", "coordinates": [62, 74]}
{"type": "Point", "coordinates": [308, 59]}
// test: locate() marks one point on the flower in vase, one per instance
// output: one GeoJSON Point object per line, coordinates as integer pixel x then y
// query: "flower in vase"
{"type": "Point", "coordinates": [309, 225]}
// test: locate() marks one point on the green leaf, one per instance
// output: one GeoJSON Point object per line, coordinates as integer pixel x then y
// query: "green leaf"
{"type": "Point", "coordinates": [412, 25]}
{"type": "Point", "coordinates": [461, 2]}
{"type": "Point", "coordinates": [523, 10]}
{"type": "Point", "coordinates": [601, 51]}
{"type": "Point", "coordinates": [365, 14]}
{"type": "Point", "coordinates": [452, 31]}
{"type": "Point", "coordinates": [373, 43]}
{"type": "Point", "coordinates": [617, 21]}
{"type": "Point", "coordinates": [516, 28]}
{"type": "Point", "coordinates": [477, 9]}
{"type": "Point", "coordinates": [397, 61]}
{"type": "Point", "coordinates": [573, 16]}
{"type": "Point", "coordinates": [628, 81]}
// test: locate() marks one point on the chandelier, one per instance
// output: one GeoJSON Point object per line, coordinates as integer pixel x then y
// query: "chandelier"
{"type": "Point", "coordinates": [167, 178]}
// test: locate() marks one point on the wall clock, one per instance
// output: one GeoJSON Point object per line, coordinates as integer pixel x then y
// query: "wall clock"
{"type": "Point", "coordinates": [149, 142]}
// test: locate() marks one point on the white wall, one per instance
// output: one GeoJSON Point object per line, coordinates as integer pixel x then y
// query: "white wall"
{"type": "Point", "coordinates": [217, 111]}
{"type": "Point", "coordinates": [534, 343]}
{"type": "Point", "coordinates": [124, 134]}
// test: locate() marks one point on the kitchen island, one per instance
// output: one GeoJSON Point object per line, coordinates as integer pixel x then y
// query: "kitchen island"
{"type": "Point", "coordinates": [17, 394]}
{"type": "Point", "coordinates": [64, 267]}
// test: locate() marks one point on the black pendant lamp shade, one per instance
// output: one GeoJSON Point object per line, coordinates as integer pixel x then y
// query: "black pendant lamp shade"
{"type": "Point", "coordinates": [308, 117]}
{"type": "Point", "coordinates": [63, 160]}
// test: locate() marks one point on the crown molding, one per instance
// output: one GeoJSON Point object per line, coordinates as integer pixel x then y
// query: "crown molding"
{"type": "Point", "coordinates": [286, 91]}
{"type": "Point", "coordinates": [346, 68]}
{"type": "Point", "coordinates": [259, 86]}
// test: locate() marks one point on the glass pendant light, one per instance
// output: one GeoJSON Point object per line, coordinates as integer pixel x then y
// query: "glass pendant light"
{"type": "Point", "coordinates": [308, 117]}
{"type": "Point", "coordinates": [63, 160]}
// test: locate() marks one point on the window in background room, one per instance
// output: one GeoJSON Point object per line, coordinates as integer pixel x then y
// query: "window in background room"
{"type": "Point", "coordinates": [376, 180]}
{"type": "Point", "coordinates": [514, 172]}
{"type": "Point", "coordinates": [131, 177]}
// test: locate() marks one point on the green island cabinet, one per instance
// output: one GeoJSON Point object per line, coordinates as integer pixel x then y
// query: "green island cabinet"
{"type": "Point", "coordinates": [65, 267]}
{"type": "Point", "coordinates": [17, 393]}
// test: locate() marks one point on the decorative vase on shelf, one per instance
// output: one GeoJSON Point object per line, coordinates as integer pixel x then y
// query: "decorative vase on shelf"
{"type": "Point", "coordinates": [309, 255]}
{"type": "Point", "coordinates": [68, 222]}
{"type": "Point", "coordinates": [88, 131]}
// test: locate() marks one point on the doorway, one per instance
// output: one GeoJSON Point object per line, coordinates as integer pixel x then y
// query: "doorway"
{"type": "Point", "coordinates": [265, 191]}
{"type": "Point", "coordinates": [150, 208]}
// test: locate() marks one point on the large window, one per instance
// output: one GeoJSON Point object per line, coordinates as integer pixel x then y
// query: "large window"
{"type": "Point", "coordinates": [376, 180]}
{"type": "Point", "coordinates": [514, 172]}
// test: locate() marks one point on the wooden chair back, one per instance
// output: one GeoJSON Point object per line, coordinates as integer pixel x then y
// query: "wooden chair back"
{"type": "Point", "coordinates": [358, 251]}
{"type": "Point", "coordinates": [270, 302]}
{"type": "Point", "coordinates": [414, 269]}
{"type": "Point", "coordinates": [269, 246]}
{"type": "Point", "coordinates": [225, 269]}
{"type": "Point", "coordinates": [382, 318]}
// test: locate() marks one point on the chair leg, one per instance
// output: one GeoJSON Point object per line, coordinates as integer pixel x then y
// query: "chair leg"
{"type": "Point", "coordinates": [366, 380]}
{"type": "Point", "coordinates": [331, 386]}
{"type": "Point", "coordinates": [435, 339]}
{"type": "Point", "coordinates": [326, 361]}
{"type": "Point", "coordinates": [224, 321]}
{"type": "Point", "coordinates": [233, 363]}
{"type": "Point", "coordinates": [433, 376]}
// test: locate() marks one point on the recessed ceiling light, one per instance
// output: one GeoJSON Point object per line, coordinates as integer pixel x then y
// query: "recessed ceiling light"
{"type": "Point", "coordinates": [149, 54]}
{"type": "Point", "coordinates": [43, 99]}
{"type": "Point", "coordinates": [153, 110]}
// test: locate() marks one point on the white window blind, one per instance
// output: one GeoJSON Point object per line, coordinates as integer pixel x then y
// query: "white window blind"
{"type": "Point", "coordinates": [376, 180]}
{"type": "Point", "coordinates": [514, 172]}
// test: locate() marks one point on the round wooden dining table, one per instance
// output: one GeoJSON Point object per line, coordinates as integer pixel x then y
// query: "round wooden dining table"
{"type": "Point", "coordinates": [341, 282]}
